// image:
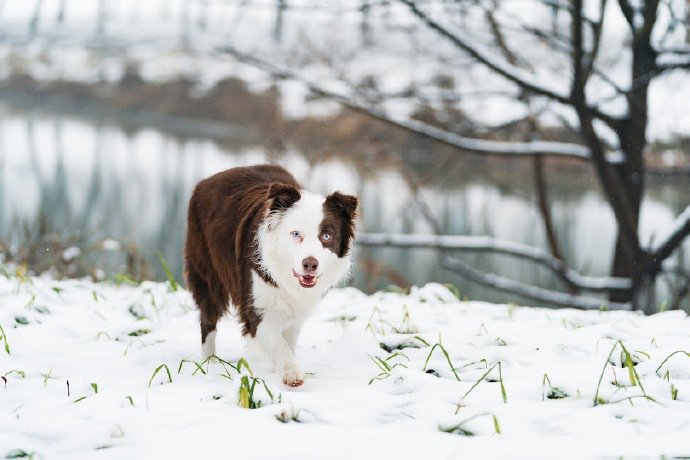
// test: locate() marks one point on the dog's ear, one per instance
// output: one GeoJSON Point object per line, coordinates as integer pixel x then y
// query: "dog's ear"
{"type": "Point", "coordinates": [345, 205]}
{"type": "Point", "coordinates": [344, 209]}
{"type": "Point", "coordinates": [282, 196]}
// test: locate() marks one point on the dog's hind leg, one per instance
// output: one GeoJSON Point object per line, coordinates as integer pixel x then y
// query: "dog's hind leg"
{"type": "Point", "coordinates": [208, 345]}
{"type": "Point", "coordinates": [212, 304]}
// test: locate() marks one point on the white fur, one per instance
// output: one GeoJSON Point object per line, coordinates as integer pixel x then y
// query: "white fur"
{"type": "Point", "coordinates": [208, 348]}
{"type": "Point", "coordinates": [284, 308]}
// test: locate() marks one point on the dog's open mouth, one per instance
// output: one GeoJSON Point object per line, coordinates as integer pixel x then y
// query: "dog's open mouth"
{"type": "Point", "coordinates": [306, 281]}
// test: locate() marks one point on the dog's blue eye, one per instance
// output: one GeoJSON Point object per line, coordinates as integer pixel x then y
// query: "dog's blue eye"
{"type": "Point", "coordinates": [326, 237]}
{"type": "Point", "coordinates": [296, 234]}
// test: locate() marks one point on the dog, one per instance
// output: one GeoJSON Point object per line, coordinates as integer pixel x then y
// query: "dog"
{"type": "Point", "coordinates": [256, 238]}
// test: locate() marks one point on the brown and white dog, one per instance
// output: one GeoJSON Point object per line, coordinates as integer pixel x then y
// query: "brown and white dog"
{"type": "Point", "coordinates": [256, 238]}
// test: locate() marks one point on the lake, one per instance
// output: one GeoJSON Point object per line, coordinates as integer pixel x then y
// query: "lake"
{"type": "Point", "coordinates": [129, 182]}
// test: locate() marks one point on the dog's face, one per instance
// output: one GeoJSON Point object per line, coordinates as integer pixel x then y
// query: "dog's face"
{"type": "Point", "coordinates": [307, 239]}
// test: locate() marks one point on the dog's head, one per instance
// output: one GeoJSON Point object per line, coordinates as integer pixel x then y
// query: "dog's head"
{"type": "Point", "coordinates": [306, 240]}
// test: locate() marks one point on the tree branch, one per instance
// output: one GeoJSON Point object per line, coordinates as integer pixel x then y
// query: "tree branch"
{"type": "Point", "coordinates": [488, 244]}
{"type": "Point", "coordinates": [680, 230]}
{"type": "Point", "coordinates": [661, 68]}
{"type": "Point", "coordinates": [508, 72]}
{"type": "Point", "coordinates": [505, 71]}
{"type": "Point", "coordinates": [612, 185]}
{"type": "Point", "coordinates": [597, 28]}
{"type": "Point", "coordinates": [498, 36]}
{"type": "Point", "coordinates": [468, 145]}
{"type": "Point", "coordinates": [531, 292]}
{"type": "Point", "coordinates": [545, 211]}
{"type": "Point", "coordinates": [628, 13]}
{"type": "Point", "coordinates": [649, 17]}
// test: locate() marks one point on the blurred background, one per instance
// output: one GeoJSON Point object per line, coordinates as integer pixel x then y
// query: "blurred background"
{"type": "Point", "coordinates": [464, 118]}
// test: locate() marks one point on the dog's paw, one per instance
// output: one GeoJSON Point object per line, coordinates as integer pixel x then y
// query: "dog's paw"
{"type": "Point", "coordinates": [293, 377]}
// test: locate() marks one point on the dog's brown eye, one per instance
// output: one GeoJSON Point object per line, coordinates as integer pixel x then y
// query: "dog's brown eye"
{"type": "Point", "coordinates": [326, 236]}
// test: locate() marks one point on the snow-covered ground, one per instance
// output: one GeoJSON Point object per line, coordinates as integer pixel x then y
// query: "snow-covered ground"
{"type": "Point", "coordinates": [108, 340]}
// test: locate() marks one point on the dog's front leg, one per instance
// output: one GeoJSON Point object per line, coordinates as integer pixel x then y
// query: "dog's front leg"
{"type": "Point", "coordinates": [270, 338]}
{"type": "Point", "coordinates": [291, 334]}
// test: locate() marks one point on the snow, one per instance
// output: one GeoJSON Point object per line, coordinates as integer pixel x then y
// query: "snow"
{"type": "Point", "coordinates": [110, 245]}
{"type": "Point", "coordinates": [71, 253]}
{"type": "Point", "coordinates": [111, 339]}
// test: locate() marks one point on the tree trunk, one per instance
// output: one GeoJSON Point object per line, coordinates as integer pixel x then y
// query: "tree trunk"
{"type": "Point", "coordinates": [633, 139]}
{"type": "Point", "coordinates": [644, 295]}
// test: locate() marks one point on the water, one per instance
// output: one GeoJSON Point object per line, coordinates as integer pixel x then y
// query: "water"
{"type": "Point", "coordinates": [132, 184]}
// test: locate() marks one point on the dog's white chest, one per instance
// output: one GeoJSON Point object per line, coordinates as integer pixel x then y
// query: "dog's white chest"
{"type": "Point", "coordinates": [281, 304]}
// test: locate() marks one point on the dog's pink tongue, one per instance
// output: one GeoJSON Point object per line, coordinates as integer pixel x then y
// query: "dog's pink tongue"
{"type": "Point", "coordinates": [307, 281]}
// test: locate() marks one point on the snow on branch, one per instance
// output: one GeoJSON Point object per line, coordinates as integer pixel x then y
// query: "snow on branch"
{"type": "Point", "coordinates": [488, 244]}
{"type": "Point", "coordinates": [524, 290]}
{"type": "Point", "coordinates": [465, 144]}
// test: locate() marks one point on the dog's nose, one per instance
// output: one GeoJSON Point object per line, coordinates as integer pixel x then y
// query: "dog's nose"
{"type": "Point", "coordinates": [310, 264]}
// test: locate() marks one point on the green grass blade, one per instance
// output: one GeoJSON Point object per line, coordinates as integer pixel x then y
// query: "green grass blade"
{"type": "Point", "coordinates": [3, 337]}
{"type": "Point", "coordinates": [601, 377]}
{"type": "Point", "coordinates": [503, 388]}
{"type": "Point", "coordinates": [635, 375]}
{"type": "Point", "coordinates": [660, 365]}
{"type": "Point", "coordinates": [454, 290]}
{"type": "Point", "coordinates": [168, 274]}
{"type": "Point", "coordinates": [544, 380]}
{"type": "Point", "coordinates": [631, 366]}
{"type": "Point", "coordinates": [416, 337]}
{"type": "Point", "coordinates": [235, 367]}
{"type": "Point", "coordinates": [478, 381]}
{"type": "Point", "coordinates": [243, 397]}
{"type": "Point", "coordinates": [19, 372]}
{"type": "Point", "coordinates": [162, 366]}
{"type": "Point", "coordinates": [632, 398]}
{"type": "Point", "coordinates": [396, 354]}
{"type": "Point", "coordinates": [268, 391]}
{"type": "Point", "coordinates": [504, 394]}
{"type": "Point", "coordinates": [198, 366]}
{"type": "Point", "coordinates": [497, 427]}
{"type": "Point", "coordinates": [445, 353]}
{"type": "Point", "coordinates": [243, 363]}
{"type": "Point", "coordinates": [458, 429]}
{"type": "Point", "coordinates": [376, 360]}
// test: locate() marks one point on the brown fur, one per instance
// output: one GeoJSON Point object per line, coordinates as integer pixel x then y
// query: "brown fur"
{"type": "Point", "coordinates": [220, 254]}
{"type": "Point", "coordinates": [339, 221]}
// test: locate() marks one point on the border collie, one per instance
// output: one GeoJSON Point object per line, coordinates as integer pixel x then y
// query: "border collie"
{"type": "Point", "coordinates": [257, 239]}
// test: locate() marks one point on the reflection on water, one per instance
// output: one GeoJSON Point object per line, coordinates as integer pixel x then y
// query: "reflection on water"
{"type": "Point", "coordinates": [133, 186]}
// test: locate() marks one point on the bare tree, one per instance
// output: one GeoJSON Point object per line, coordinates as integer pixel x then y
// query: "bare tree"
{"type": "Point", "coordinates": [614, 141]}
{"type": "Point", "coordinates": [622, 180]}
